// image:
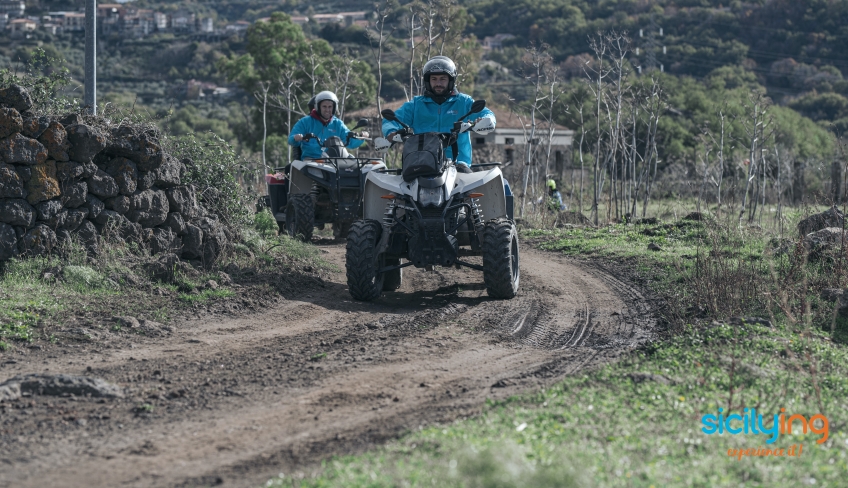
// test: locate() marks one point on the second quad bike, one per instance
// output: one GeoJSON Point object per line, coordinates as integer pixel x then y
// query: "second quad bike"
{"type": "Point", "coordinates": [431, 215]}
{"type": "Point", "coordinates": [311, 193]}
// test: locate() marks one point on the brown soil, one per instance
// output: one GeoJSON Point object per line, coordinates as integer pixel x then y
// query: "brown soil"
{"type": "Point", "coordinates": [235, 400]}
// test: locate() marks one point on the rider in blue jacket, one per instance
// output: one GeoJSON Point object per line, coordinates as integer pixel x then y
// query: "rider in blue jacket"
{"type": "Point", "coordinates": [437, 110]}
{"type": "Point", "coordinates": [324, 124]}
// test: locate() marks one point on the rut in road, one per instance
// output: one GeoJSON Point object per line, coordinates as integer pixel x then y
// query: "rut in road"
{"type": "Point", "coordinates": [234, 401]}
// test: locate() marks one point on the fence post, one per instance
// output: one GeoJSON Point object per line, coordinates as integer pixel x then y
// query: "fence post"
{"type": "Point", "coordinates": [799, 186]}
{"type": "Point", "coordinates": [836, 182]}
{"type": "Point", "coordinates": [91, 56]}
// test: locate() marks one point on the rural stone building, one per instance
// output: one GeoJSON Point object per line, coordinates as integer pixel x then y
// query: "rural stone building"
{"type": "Point", "coordinates": [506, 144]}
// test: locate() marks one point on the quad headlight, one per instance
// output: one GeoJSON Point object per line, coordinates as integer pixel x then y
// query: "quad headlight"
{"type": "Point", "coordinates": [431, 197]}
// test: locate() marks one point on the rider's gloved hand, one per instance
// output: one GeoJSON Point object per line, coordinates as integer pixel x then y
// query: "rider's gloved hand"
{"type": "Point", "coordinates": [364, 134]}
{"type": "Point", "coordinates": [298, 137]}
{"type": "Point", "coordinates": [463, 168]}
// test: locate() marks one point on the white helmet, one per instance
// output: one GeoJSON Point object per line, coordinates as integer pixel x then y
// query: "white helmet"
{"type": "Point", "coordinates": [326, 95]}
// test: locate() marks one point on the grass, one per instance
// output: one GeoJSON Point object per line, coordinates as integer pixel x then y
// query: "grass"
{"type": "Point", "coordinates": [78, 284]}
{"type": "Point", "coordinates": [638, 422]}
{"type": "Point", "coordinates": [25, 298]}
{"type": "Point", "coordinates": [620, 240]}
{"type": "Point", "coordinates": [263, 241]}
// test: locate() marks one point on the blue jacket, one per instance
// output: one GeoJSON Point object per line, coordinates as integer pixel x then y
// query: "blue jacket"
{"type": "Point", "coordinates": [311, 149]}
{"type": "Point", "coordinates": [425, 115]}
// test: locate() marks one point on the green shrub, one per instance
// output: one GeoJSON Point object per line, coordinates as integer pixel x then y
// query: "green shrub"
{"type": "Point", "coordinates": [212, 166]}
{"type": "Point", "coordinates": [265, 224]}
{"type": "Point", "coordinates": [44, 75]}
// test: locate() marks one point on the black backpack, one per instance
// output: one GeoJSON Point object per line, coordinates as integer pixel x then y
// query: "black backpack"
{"type": "Point", "coordinates": [423, 155]}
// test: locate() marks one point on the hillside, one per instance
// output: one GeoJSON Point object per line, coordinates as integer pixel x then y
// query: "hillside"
{"type": "Point", "coordinates": [793, 50]}
{"type": "Point", "coordinates": [796, 49]}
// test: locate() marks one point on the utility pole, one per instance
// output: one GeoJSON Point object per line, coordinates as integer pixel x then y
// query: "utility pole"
{"type": "Point", "coordinates": [651, 46]}
{"type": "Point", "coordinates": [91, 56]}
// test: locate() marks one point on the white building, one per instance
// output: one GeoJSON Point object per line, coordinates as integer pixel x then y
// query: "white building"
{"type": "Point", "coordinates": [160, 21]}
{"type": "Point", "coordinates": [15, 8]}
{"type": "Point", "coordinates": [73, 22]}
{"type": "Point", "coordinates": [495, 42]}
{"type": "Point", "coordinates": [20, 27]}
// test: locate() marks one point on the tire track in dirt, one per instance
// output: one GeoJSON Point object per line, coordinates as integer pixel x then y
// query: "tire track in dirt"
{"type": "Point", "coordinates": [235, 400]}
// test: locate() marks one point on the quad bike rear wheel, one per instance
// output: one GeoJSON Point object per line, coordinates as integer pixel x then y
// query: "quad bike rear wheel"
{"type": "Point", "coordinates": [300, 217]}
{"type": "Point", "coordinates": [500, 258]}
{"type": "Point", "coordinates": [362, 262]}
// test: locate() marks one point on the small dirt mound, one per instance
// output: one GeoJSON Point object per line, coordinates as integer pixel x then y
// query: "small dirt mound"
{"type": "Point", "coordinates": [60, 385]}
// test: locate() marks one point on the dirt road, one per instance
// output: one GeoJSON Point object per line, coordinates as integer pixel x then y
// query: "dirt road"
{"type": "Point", "coordinates": [234, 401]}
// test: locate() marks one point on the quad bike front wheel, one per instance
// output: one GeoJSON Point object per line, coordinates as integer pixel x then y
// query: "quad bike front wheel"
{"type": "Point", "coordinates": [362, 262]}
{"type": "Point", "coordinates": [500, 258]}
{"type": "Point", "coordinates": [300, 217]}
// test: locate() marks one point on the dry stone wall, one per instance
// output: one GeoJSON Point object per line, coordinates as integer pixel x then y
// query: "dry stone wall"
{"type": "Point", "coordinates": [66, 176]}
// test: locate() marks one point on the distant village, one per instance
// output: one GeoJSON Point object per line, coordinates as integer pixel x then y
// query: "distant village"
{"type": "Point", "coordinates": [132, 22]}
{"type": "Point", "coordinates": [127, 21]}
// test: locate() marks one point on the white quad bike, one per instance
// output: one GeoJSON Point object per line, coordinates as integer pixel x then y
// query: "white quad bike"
{"type": "Point", "coordinates": [325, 190]}
{"type": "Point", "coordinates": [432, 216]}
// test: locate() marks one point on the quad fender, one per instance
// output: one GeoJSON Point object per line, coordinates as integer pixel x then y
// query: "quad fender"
{"type": "Point", "coordinates": [299, 182]}
{"type": "Point", "coordinates": [490, 184]}
{"type": "Point", "coordinates": [373, 167]}
{"type": "Point", "coordinates": [302, 165]}
{"type": "Point", "coordinates": [379, 184]}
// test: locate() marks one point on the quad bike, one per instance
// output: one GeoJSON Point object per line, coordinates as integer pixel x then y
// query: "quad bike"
{"type": "Point", "coordinates": [432, 215]}
{"type": "Point", "coordinates": [311, 193]}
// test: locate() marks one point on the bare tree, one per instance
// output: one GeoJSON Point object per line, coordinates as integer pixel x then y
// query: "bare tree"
{"type": "Point", "coordinates": [341, 69]}
{"type": "Point", "coordinates": [286, 98]}
{"type": "Point", "coordinates": [445, 21]}
{"type": "Point", "coordinates": [311, 68]}
{"type": "Point", "coordinates": [655, 106]}
{"type": "Point", "coordinates": [619, 46]}
{"type": "Point", "coordinates": [598, 75]}
{"type": "Point", "coordinates": [382, 11]}
{"type": "Point", "coordinates": [551, 82]}
{"type": "Point", "coordinates": [720, 154]}
{"type": "Point", "coordinates": [412, 29]}
{"type": "Point", "coordinates": [535, 59]}
{"type": "Point", "coordinates": [262, 96]}
{"type": "Point", "coordinates": [705, 159]}
{"type": "Point", "coordinates": [580, 150]}
{"type": "Point", "coordinates": [755, 125]}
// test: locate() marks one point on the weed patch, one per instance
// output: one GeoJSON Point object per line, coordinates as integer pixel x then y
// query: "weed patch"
{"type": "Point", "coordinates": [205, 295]}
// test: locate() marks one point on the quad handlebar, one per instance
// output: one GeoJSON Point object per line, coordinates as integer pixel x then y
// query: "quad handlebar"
{"type": "Point", "coordinates": [449, 138]}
